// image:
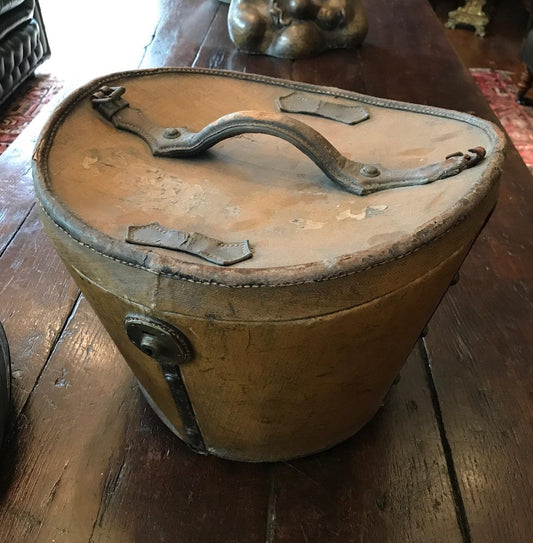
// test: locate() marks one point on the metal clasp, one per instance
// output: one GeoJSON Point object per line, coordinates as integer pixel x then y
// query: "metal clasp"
{"type": "Point", "coordinates": [107, 94]}
{"type": "Point", "coordinates": [108, 100]}
{"type": "Point", "coordinates": [158, 339]}
{"type": "Point", "coordinates": [169, 347]}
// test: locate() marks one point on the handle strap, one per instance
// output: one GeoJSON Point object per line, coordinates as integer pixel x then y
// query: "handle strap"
{"type": "Point", "coordinates": [354, 177]}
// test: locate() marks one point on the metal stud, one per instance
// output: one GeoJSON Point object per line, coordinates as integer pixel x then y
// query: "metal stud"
{"type": "Point", "coordinates": [370, 171]}
{"type": "Point", "coordinates": [171, 133]}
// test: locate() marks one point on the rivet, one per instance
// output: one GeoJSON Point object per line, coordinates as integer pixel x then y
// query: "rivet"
{"type": "Point", "coordinates": [370, 171]}
{"type": "Point", "coordinates": [171, 133]}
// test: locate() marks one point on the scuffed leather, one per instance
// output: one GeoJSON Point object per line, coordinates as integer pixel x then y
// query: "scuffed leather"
{"type": "Point", "coordinates": [299, 102]}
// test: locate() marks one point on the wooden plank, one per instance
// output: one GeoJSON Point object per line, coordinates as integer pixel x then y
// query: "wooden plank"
{"type": "Point", "coordinates": [91, 462]}
{"type": "Point", "coordinates": [341, 69]}
{"type": "Point", "coordinates": [67, 434]}
{"type": "Point", "coordinates": [186, 497]}
{"type": "Point", "coordinates": [480, 341]}
{"type": "Point", "coordinates": [398, 55]}
{"type": "Point", "coordinates": [388, 483]}
{"type": "Point", "coordinates": [16, 195]}
{"type": "Point", "coordinates": [16, 182]}
{"type": "Point", "coordinates": [407, 57]}
{"type": "Point", "coordinates": [481, 350]}
{"type": "Point", "coordinates": [218, 51]}
{"type": "Point", "coordinates": [180, 32]}
{"type": "Point", "coordinates": [37, 295]}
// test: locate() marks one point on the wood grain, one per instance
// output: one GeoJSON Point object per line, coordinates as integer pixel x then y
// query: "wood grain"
{"type": "Point", "coordinates": [185, 497]}
{"type": "Point", "coordinates": [388, 483]}
{"type": "Point", "coordinates": [340, 69]}
{"type": "Point", "coordinates": [480, 349]}
{"type": "Point", "coordinates": [67, 434]}
{"type": "Point", "coordinates": [37, 296]}
{"type": "Point", "coordinates": [480, 340]}
{"type": "Point", "coordinates": [218, 52]}
{"type": "Point", "coordinates": [16, 182]}
{"type": "Point", "coordinates": [91, 461]}
{"type": "Point", "coordinates": [180, 32]}
{"type": "Point", "coordinates": [407, 57]}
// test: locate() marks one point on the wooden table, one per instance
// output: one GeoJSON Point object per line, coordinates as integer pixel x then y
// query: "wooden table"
{"type": "Point", "coordinates": [449, 457]}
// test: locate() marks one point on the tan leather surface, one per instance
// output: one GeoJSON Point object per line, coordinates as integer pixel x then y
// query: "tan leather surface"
{"type": "Point", "coordinates": [270, 389]}
{"type": "Point", "coordinates": [295, 362]}
{"type": "Point", "coordinates": [169, 292]}
{"type": "Point", "coordinates": [254, 187]}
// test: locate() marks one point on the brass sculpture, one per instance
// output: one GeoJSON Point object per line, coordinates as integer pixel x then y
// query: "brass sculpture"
{"type": "Point", "coordinates": [296, 28]}
{"type": "Point", "coordinates": [471, 14]}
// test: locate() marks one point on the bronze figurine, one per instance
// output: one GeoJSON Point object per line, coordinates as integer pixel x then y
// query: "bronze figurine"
{"type": "Point", "coordinates": [296, 28]}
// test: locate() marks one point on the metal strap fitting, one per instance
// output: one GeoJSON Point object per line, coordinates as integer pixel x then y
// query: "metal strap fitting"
{"type": "Point", "coordinates": [108, 101]}
{"type": "Point", "coordinates": [107, 94]}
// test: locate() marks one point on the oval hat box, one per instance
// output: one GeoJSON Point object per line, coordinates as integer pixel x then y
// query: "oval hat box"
{"type": "Point", "coordinates": [264, 253]}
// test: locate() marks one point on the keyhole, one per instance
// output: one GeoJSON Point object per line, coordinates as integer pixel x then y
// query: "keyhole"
{"type": "Point", "coordinates": [150, 345]}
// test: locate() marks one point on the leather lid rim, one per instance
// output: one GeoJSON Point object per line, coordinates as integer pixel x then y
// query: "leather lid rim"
{"type": "Point", "coordinates": [349, 264]}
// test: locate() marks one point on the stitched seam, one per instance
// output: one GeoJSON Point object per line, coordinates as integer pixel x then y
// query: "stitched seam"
{"type": "Point", "coordinates": [251, 285]}
{"type": "Point", "coordinates": [382, 103]}
{"type": "Point", "coordinates": [166, 231]}
{"type": "Point", "coordinates": [122, 123]}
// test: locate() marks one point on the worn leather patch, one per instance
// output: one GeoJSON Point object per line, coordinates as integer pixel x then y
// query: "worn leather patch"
{"type": "Point", "coordinates": [210, 249]}
{"type": "Point", "coordinates": [299, 102]}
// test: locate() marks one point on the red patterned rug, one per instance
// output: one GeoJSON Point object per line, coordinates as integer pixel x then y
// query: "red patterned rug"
{"type": "Point", "coordinates": [500, 90]}
{"type": "Point", "coordinates": [19, 111]}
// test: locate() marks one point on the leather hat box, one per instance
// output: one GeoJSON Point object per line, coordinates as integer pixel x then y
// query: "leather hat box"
{"type": "Point", "coordinates": [264, 253]}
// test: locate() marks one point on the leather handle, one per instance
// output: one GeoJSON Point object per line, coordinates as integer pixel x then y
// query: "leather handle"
{"type": "Point", "coordinates": [354, 177]}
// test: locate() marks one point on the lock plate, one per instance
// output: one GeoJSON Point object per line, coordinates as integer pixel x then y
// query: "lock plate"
{"type": "Point", "coordinates": [159, 339]}
{"type": "Point", "coordinates": [169, 347]}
